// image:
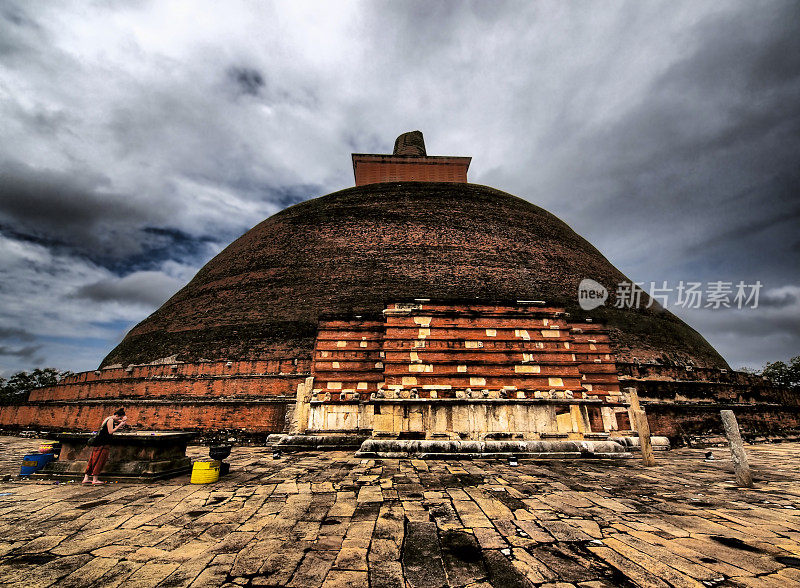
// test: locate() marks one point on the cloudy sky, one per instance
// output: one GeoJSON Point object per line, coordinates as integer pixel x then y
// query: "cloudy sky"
{"type": "Point", "coordinates": [137, 139]}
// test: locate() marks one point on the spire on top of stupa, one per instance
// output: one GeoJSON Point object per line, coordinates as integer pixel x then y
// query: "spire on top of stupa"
{"type": "Point", "coordinates": [409, 163]}
{"type": "Point", "coordinates": [411, 143]}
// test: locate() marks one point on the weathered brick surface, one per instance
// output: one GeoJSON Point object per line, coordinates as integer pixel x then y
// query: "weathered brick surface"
{"type": "Point", "coordinates": [205, 379]}
{"type": "Point", "coordinates": [182, 415]}
{"type": "Point", "coordinates": [235, 386]}
{"type": "Point", "coordinates": [484, 347]}
{"type": "Point", "coordinates": [685, 400]}
{"type": "Point", "coordinates": [348, 359]}
{"type": "Point", "coordinates": [351, 252]}
{"type": "Point", "coordinates": [374, 169]}
{"type": "Point", "coordinates": [680, 420]}
{"type": "Point", "coordinates": [664, 382]}
{"type": "Point", "coordinates": [445, 347]}
{"type": "Point", "coordinates": [249, 395]}
{"type": "Point", "coordinates": [410, 143]}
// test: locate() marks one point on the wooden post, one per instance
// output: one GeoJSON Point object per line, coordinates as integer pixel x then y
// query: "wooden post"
{"type": "Point", "coordinates": [643, 428]}
{"type": "Point", "coordinates": [738, 455]}
{"type": "Point", "coordinates": [633, 399]}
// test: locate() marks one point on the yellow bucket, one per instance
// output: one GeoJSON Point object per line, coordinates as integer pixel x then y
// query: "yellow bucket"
{"type": "Point", "coordinates": [49, 446]}
{"type": "Point", "coordinates": [205, 472]}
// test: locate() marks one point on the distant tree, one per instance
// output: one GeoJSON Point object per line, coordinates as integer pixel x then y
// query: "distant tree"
{"type": "Point", "coordinates": [16, 389]}
{"type": "Point", "coordinates": [782, 374]}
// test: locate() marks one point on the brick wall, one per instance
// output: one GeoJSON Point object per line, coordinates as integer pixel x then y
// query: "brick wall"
{"type": "Point", "coordinates": [429, 346]}
{"type": "Point", "coordinates": [679, 420]}
{"type": "Point", "coordinates": [184, 415]}
{"type": "Point", "coordinates": [437, 349]}
{"type": "Point", "coordinates": [373, 169]}
{"type": "Point", "coordinates": [666, 383]}
{"type": "Point", "coordinates": [685, 400]}
{"type": "Point", "coordinates": [354, 251]}
{"type": "Point", "coordinates": [250, 395]}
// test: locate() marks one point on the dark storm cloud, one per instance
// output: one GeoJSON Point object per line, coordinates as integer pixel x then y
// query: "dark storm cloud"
{"type": "Point", "coordinates": [137, 142]}
{"type": "Point", "coordinates": [144, 288]}
{"type": "Point", "coordinates": [781, 299]}
{"type": "Point", "coordinates": [290, 195]}
{"type": "Point", "coordinates": [251, 82]}
{"type": "Point", "coordinates": [747, 324]}
{"type": "Point", "coordinates": [747, 227]}
{"type": "Point", "coordinates": [54, 199]}
{"type": "Point", "coordinates": [27, 353]}
{"type": "Point", "coordinates": [160, 244]}
{"type": "Point", "coordinates": [716, 100]}
{"type": "Point", "coordinates": [15, 333]}
{"type": "Point", "coordinates": [706, 164]}
{"type": "Point", "coordinates": [18, 32]}
{"type": "Point", "coordinates": [753, 337]}
{"type": "Point", "coordinates": [73, 210]}
{"type": "Point", "coordinates": [247, 80]}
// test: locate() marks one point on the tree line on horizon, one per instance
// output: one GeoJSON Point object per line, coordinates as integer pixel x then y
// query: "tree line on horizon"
{"type": "Point", "coordinates": [15, 389]}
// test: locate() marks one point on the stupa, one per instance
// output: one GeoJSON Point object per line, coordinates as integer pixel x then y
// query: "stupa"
{"type": "Point", "coordinates": [415, 306]}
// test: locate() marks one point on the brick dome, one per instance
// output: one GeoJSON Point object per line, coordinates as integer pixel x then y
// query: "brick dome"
{"type": "Point", "coordinates": [354, 251]}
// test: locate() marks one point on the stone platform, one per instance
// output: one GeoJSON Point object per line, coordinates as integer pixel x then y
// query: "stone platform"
{"type": "Point", "coordinates": [454, 449]}
{"type": "Point", "coordinates": [340, 442]}
{"type": "Point", "coordinates": [329, 519]}
{"type": "Point", "coordinates": [139, 456]}
{"type": "Point", "coordinates": [394, 447]}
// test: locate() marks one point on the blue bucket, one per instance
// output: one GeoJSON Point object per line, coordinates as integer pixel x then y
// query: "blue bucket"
{"type": "Point", "coordinates": [34, 462]}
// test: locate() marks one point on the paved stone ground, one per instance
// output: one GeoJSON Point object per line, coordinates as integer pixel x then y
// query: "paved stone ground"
{"type": "Point", "coordinates": [328, 519]}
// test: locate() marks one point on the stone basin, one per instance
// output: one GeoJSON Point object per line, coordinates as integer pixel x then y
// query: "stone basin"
{"type": "Point", "coordinates": [136, 456]}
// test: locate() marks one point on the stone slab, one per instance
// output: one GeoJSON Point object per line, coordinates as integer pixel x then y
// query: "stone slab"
{"type": "Point", "coordinates": [328, 518]}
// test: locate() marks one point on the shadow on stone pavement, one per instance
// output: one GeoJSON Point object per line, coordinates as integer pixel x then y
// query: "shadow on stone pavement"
{"type": "Point", "coordinates": [329, 519]}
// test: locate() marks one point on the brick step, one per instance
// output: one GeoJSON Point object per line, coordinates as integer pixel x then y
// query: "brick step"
{"type": "Point", "coordinates": [487, 361]}
{"type": "Point", "coordinates": [477, 323]}
{"type": "Point", "coordinates": [354, 349]}
{"type": "Point", "coordinates": [346, 366]}
{"type": "Point", "coordinates": [593, 357]}
{"type": "Point", "coordinates": [349, 377]}
{"type": "Point", "coordinates": [480, 356]}
{"type": "Point", "coordinates": [608, 391]}
{"type": "Point", "coordinates": [597, 368]}
{"type": "Point", "coordinates": [532, 382]}
{"type": "Point", "coordinates": [498, 371]}
{"type": "Point", "coordinates": [443, 309]}
{"type": "Point", "coordinates": [554, 345]}
{"type": "Point", "coordinates": [353, 324]}
{"type": "Point", "coordinates": [492, 390]}
{"type": "Point", "coordinates": [331, 345]}
{"type": "Point", "coordinates": [602, 384]}
{"type": "Point", "coordinates": [348, 336]}
{"type": "Point", "coordinates": [544, 334]}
